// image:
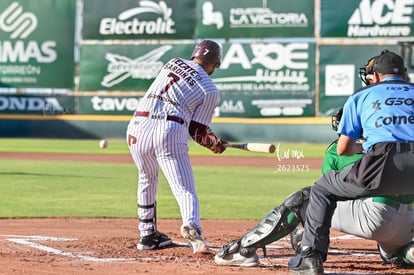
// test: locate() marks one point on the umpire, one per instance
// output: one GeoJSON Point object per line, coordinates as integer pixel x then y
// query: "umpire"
{"type": "Point", "coordinates": [383, 113]}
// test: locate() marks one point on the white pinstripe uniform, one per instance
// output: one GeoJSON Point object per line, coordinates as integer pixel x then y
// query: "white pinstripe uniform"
{"type": "Point", "coordinates": [182, 90]}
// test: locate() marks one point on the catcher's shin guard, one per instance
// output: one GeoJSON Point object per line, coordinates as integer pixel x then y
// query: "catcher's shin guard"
{"type": "Point", "coordinates": [277, 224]}
{"type": "Point", "coordinates": [234, 247]}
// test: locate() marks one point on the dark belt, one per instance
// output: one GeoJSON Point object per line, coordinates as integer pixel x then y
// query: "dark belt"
{"type": "Point", "coordinates": [391, 202]}
{"type": "Point", "coordinates": [404, 147]}
{"type": "Point", "coordinates": [172, 118]}
{"type": "Point", "coordinates": [398, 147]}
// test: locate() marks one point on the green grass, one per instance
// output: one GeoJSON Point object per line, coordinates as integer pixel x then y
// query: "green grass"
{"type": "Point", "coordinates": [60, 189]}
{"type": "Point", "coordinates": [86, 189]}
{"type": "Point", "coordinates": [62, 146]}
{"type": "Point", "coordinates": [241, 193]}
{"type": "Point", "coordinates": [117, 146]}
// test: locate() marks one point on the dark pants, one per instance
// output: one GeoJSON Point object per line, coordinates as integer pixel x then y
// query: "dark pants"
{"type": "Point", "coordinates": [387, 170]}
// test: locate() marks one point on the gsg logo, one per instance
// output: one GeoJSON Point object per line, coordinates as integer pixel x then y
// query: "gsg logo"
{"type": "Point", "coordinates": [399, 101]}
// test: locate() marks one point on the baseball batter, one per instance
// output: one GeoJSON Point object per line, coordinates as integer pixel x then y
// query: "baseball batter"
{"type": "Point", "coordinates": [181, 100]}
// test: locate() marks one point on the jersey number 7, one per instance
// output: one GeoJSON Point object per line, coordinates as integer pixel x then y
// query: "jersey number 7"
{"type": "Point", "coordinates": [174, 79]}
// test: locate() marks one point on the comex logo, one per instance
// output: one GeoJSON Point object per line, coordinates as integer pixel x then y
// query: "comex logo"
{"type": "Point", "coordinates": [144, 67]}
{"type": "Point", "coordinates": [19, 24]}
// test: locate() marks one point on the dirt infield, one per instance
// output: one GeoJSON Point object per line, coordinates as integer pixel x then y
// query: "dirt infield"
{"type": "Point", "coordinates": [107, 246]}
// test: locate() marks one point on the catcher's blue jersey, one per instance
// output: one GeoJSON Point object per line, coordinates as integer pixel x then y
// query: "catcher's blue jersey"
{"type": "Point", "coordinates": [383, 112]}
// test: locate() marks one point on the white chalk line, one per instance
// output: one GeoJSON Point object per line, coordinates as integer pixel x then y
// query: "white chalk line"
{"type": "Point", "coordinates": [30, 241]}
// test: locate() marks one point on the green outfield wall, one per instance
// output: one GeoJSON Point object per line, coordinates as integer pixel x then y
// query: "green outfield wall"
{"type": "Point", "coordinates": [307, 130]}
{"type": "Point", "coordinates": [287, 66]}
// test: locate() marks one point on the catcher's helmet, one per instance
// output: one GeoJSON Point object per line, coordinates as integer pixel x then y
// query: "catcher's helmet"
{"type": "Point", "coordinates": [366, 73]}
{"type": "Point", "coordinates": [208, 51]}
{"type": "Point", "coordinates": [336, 119]}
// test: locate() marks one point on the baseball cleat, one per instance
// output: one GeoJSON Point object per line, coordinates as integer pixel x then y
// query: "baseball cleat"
{"type": "Point", "coordinates": [404, 258]}
{"type": "Point", "coordinates": [308, 262]}
{"type": "Point", "coordinates": [234, 255]}
{"type": "Point", "coordinates": [154, 241]}
{"type": "Point", "coordinates": [409, 254]}
{"type": "Point", "coordinates": [236, 259]}
{"type": "Point", "coordinates": [193, 237]}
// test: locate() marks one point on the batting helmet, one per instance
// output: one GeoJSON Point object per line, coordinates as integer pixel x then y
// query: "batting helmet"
{"type": "Point", "coordinates": [208, 51]}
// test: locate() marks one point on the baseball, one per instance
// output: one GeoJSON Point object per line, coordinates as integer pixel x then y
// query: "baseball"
{"type": "Point", "coordinates": [103, 143]}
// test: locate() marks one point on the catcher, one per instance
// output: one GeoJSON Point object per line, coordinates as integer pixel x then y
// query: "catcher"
{"type": "Point", "coordinates": [388, 220]}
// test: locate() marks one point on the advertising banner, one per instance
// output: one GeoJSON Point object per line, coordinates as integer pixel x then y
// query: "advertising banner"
{"type": "Point", "coordinates": [267, 79]}
{"type": "Point", "coordinates": [367, 18]}
{"type": "Point", "coordinates": [255, 18]}
{"type": "Point", "coordinates": [40, 105]}
{"type": "Point", "coordinates": [263, 79]}
{"type": "Point", "coordinates": [339, 73]}
{"type": "Point", "coordinates": [262, 105]}
{"type": "Point", "coordinates": [108, 105]}
{"type": "Point", "coordinates": [37, 43]}
{"type": "Point", "coordinates": [125, 67]}
{"type": "Point", "coordinates": [132, 19]}
{"type": "Point", "coordinates": [231, 105]}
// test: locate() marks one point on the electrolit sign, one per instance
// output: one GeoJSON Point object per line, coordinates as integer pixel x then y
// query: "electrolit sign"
{"type": "Point", "coordinates": [134, 19]}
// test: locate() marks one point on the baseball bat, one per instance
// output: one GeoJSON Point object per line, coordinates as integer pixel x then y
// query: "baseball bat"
{"type": "Point", "coordinates": [253, 147]}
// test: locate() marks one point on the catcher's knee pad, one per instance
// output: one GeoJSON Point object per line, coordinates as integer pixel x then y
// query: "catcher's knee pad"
{"type": "Point", "coordinates": [278, 223]}
{"type": "Point", "coordinates": [295, 200]}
